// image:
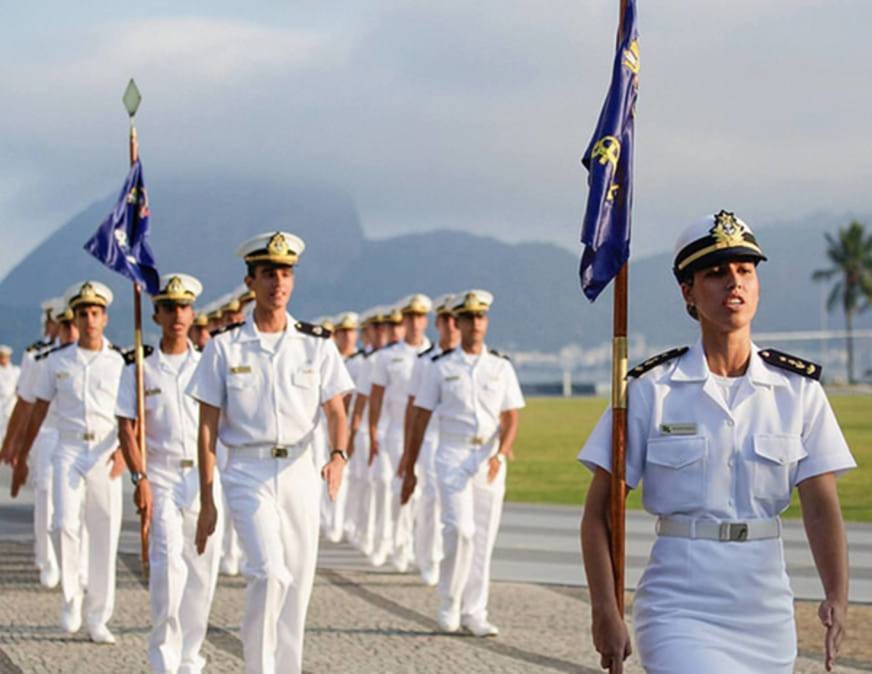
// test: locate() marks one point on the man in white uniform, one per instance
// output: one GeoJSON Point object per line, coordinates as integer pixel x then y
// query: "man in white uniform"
{"type": "Point", "coordinates": [8, 381]}
{"type": "Point", "coordinates": [82, 381]}
{"type": "Point", "coordinates": [428, 530]}
{"type": "Point", "coordinates": [476, 397]}
{"type": "Point", "coordinates": [344, 328]}
{"type": "Point", "coordinates": [45, 556]}
{"type": "Point", "coordinates": [181, 583]}
{"type": "Point", "coordinates": [392, 373]}
{"type": "Point", "coordinates": [265, 381]}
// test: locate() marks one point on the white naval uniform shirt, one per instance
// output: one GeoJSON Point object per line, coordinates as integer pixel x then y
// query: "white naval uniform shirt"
{"type": "Point", "coordinates": [468, 393]}
{"type": "Point", "coordinates": [268, 397]}
{"type": "Point", "coordinates": [82, 386]}
{"type": "Point", "coordinates": [392, 369]}
{"type": "Point", "coordinates": [355, 364]}
{"type": "Point", "coordinates": [171, 416]}
{"type": "Point", "coordinates": [8, 383]}
{"type": "Point", "coordinates": [697, 456]}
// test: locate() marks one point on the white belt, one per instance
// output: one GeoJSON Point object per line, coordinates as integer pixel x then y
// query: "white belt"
{"type": "Point", "coordinates": [474, 440]}
{"type": "Point", "coordinates": [171, 462]}
{"type": "Point", "coordinates": [735, 532]}
{"type": "Point", "coordinates": [269, 451]}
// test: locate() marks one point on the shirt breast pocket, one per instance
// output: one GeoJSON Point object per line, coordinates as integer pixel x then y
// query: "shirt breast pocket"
{"type": "Point", "coordinates": [674, 475]}
{"type": "Point", "coordinates": [774, 464]}
{"type": "Point", "coordinates": [304, 378]}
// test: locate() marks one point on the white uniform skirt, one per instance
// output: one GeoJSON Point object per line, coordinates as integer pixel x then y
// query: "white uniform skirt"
{"type": "Point", "coordinates": [715, 607]}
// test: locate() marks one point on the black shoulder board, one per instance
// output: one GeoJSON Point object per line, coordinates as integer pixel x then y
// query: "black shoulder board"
{"type": "Point", "coordinates": [444, 353]}
{"type": "Point", "coordinates": [311, 329]}
{"type": "Point", "coordinates": [45, 354]}
{"type": "Point", "coordinates": [130, 354]}
{"type": "Point", "coordinates": [226, 328]}
{"type": "Point", "coordinates": [659, 359]}
{"type": "Point", "coordinates": [791, 363]}
{"type": "Point", "coordinates": [499, 355]}
{"type": "Point", "coordinates": [426, 351]}
{"type": "Point", "coordinates": [37, 345]}
{"type": "Point", "coordinates": [359, 352]}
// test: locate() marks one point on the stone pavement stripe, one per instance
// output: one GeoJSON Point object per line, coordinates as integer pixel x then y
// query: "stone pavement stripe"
{"type": "Point", "coordinates": [217, 636]}
{"type": "Point", "coordinates": [406, 613]}
{"type": "Point", "coordinates": [6, 664]}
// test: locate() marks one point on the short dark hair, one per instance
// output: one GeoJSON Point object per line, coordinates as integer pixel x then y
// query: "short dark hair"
{"type": "Point", "coordinates": [251, 267]}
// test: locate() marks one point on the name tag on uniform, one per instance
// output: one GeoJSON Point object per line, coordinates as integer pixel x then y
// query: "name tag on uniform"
{"type": "Point", "coordinates": [678, 429]}
{"type": "Point", "coordinates": [453, 377]}
{"type": "Point", "coordinates": [240, 369]}
{"type": "Point", "coordinates": [396, 360]}
{"type": "Point", "coordinates": [151, 392]}
{"type": "Point", "coordinates": [62, 375]}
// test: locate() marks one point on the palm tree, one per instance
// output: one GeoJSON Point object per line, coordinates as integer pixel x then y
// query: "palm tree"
{"type": "Point", "coordinates": [851, 255]}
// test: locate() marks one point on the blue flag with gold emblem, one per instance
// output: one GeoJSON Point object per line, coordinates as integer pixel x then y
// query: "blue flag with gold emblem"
{"type": "Point", "coordinates": [121, 240]}
{"type": "Point", "coordinates": [609, 161]}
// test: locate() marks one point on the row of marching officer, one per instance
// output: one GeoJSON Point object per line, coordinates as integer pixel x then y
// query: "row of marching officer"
{"type": "Point", "coordinates": [427, 489]}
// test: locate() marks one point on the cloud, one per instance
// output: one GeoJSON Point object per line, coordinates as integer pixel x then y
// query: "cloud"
{"type": "Point", "coordinates": [453, 114]}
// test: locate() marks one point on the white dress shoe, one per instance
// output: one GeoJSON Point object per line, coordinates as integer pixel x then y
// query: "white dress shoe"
{"type": "Point", "coordinates": [49, 577]}
{"type": "Point", "coordinates": [480, 628]}
{"type": "Point", "coordinates": [448, 618]}
{"type": "Point", "coordinates": [378, 558]}
{"type": "Point", "coordinates": [71, 615]}
{"type": "Point", "coordinates": [430, 575]}
{"type": "Point", "coordinates": [100, 634]}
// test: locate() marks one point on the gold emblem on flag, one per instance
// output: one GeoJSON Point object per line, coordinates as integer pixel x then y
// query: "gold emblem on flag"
{"type": "Point", "coordinates": [631, 57]}
{"type": "Point", "coordinates": [607, 150]}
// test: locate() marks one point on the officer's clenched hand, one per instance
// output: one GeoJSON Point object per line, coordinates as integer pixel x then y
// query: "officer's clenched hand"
{"type": "Point", "coordinates": [19, 477]}
{"type": "Point", "coordinates": [332, 473]}
{"type": "Point", "coordinates": [142, 499]}
{"type": "Point", "coordinates": [117, 461]}
{"type": "Point", "coordinates": [493, 466]}
{"type": "Point", "coordinates": [833, 615]}
{"type": "Point", "coordinates": [373, 449]}
{"type": "Point", "coordinates": [206, 523]}
{"type": "Point", "coordinates": [611, 639]}
{"type": "Point", "coordinates": [409, 483]}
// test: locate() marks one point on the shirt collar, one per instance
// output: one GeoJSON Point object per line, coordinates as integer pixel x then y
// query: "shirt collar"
{"type": "Point", "coordinates": [162, 358]}
{"type": "Point", "coordinates": [692, 366]}
{"type": "Point", "coordinates": [248, 332]}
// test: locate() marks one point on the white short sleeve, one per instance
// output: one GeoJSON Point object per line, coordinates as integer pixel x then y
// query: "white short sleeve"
{"type": "Point", "coordinates": [597, 451]}
{"type": "Point", "coordinates": [335, 379]}
{"type": "Point", "coordinates": [379, 370]}
{"type": "Point", "coordinates": [513, 398]}
{"type": "Point", "coordinates": [125, 404]}
{"type": "Point", "coordinates": [208, 383]}
{"type": "Point", "coordinates": [44, 385]}
{"type": "Point", "coordinates": [822, 438]}
{"type": "Point", "coordinates": [429, 392]}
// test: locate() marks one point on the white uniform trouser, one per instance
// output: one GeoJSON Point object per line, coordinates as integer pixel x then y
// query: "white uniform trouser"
{"type": "Point", "coordinates": [358, 488]}
{"type": "Point", "coordinates": [379, 503]}
{"type": "Point", "coordinates": [181, 582]}
{"type": "Point", "coordinates": [231, 553]}
{"type": "Point", "coordinates": [471, 510]}
{"type": "Point", "coordinates": [43, 510]}
{"type": "Point", "coordinates": [402, 516]}
{"type": "Point", "coordinates": [82, 487]}
{"type": "Point", "coordinates": [274, 505]}
{"type": "Point", "coordinates": [428, 527]}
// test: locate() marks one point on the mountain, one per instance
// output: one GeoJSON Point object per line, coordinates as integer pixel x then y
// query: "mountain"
{"type": "Point", "coordinates": [196, 226]}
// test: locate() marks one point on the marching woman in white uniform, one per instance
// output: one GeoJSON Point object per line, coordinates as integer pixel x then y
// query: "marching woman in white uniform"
{"type": "Point", "coordinates": [718, 435]}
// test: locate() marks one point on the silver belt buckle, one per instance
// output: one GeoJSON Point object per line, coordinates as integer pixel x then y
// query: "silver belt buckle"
{"type": "Point", "coordinates": [733, 531]}
{"type": "Point", "coordinates": [477, 440]}
{"type": "Point", "coordinates": [279, 452]}
{"type": "Point", "coordinates": [89, 437]}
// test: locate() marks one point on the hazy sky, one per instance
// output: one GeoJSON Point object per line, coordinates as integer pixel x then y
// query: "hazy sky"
{"type": "Point", "coordinates": [457, 114]}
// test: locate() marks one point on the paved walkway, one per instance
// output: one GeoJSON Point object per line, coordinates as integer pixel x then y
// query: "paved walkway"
{"type": "Point", "coordinates": [360, 619]}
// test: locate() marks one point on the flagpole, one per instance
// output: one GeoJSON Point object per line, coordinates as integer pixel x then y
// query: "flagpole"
{"type": "Point", "coordinates": [131, 100]}
{"type": "Point", "coordinates": [618, 490]}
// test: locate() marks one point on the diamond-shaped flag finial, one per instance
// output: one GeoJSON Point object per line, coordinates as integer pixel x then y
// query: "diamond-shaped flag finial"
{"type": "Point", "coordinates": [132, 98]}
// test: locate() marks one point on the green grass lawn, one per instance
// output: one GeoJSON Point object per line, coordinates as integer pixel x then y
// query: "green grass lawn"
{"type": "Point", "coordinates": [553, 430]}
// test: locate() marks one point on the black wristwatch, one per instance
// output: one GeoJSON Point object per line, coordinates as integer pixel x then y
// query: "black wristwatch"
{"type": "Point", "coordinates": [137, 477]}
{"type": "Point", "coordinates": [340, 452]}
